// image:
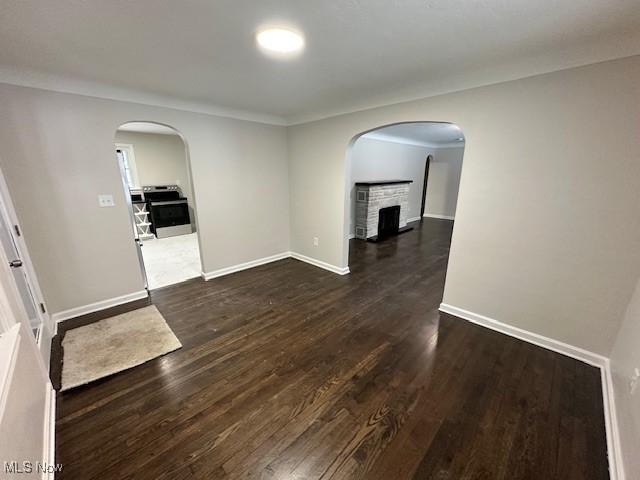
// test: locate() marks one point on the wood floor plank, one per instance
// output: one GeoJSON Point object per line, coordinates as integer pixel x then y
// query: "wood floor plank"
{"type": "Point", "coordinates": [290, 371]}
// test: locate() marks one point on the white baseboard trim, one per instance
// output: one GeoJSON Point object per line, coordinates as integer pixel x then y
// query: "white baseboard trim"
{"type": "Point", "coordinates": [614, 449]}
{"type": "Point", "coordinates": [274, 258]}
{"type": "Point", "coordinates": [112, 302]}
{"type": "Point", "coordinates": [414, 219]}
{"type": "Point", "coordinates": [244, 266]}
{"type": "Point", "coordinates": [545, 342]}
{"type": "Point", "coordinates": [616, 471]}
{"type": "Point", "coordinates": [49, 437]}
{"type": "Point", "coordinates": [352, 236]}
{"type": "Point", "coordinates": [441, 217]}
{"type": "Point", "coordinates": [102, 305]}
{"type": "Point", "coordinates": [320, 263]}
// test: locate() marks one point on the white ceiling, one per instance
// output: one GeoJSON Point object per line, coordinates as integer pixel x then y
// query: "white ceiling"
{"type": "Point", "coordinates": [147, 127]}
{"type": "Point", "coordinates": [425, 134]}
{"type": "Point", "coordinates": [200, 55]}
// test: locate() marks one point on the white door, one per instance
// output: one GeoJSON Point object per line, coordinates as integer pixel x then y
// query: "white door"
{"type": "Point", "coordinates": [15, 253]}
{"type": "Point", "coordinates": [27, 399]}
{"type": "Point", "coordinates": [20, 278]}
{"type": "Point", "coordinates": [27, 410]}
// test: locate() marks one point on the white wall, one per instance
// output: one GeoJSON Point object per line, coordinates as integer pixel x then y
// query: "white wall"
{"type": "Point", "coordinates": [58, 155]}
{"type": "Point", "coordinates": [624, 359]}
{"type": "Point", "coordinates": [376, 159]}
{"type": "Point", "coordinates": [547, 231]}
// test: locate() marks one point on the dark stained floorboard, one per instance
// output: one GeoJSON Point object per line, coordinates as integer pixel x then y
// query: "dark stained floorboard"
{"type": "Point", "coordinates": [289, 371]}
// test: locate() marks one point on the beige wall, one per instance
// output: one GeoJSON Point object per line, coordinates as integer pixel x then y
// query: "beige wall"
{"type": "Point", "coordinates": [160, 159]}
{"type": "Point", "coordinates": [546, 233]}
{"type": "Point", "coordinates": [57, 156]}
{"type": "Point", "coordinates": [624, 359]}
{"type": "Point", "coordinates": [444, 181]}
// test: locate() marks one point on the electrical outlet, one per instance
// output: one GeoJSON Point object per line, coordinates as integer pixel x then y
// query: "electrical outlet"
{"type": "Point", "coordinates": [106, 200]}
{"type": "Point", "coordinates": [633, 384]}
{"type": "Point", "coordinates": [316, 241]}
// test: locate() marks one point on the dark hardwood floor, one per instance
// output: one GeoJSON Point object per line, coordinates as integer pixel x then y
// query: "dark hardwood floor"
{"type": "Point", "coordinates": [291, 372]}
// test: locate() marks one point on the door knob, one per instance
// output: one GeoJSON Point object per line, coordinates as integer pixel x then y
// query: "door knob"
{"type": "Point", "coordinates": [15, 263]}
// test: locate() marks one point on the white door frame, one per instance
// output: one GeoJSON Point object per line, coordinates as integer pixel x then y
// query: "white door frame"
{"type": "Point", "coordinates": [49, 328]}
{"type": "Point", "coordinates": [131, 159]}
{"type": "Point", "coordinates": [127, 195]}
{"type": "Point", "coordinates": [13, 311]}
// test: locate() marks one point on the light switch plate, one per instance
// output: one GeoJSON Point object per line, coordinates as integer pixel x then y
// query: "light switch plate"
{"type": "Point", "coordinates": [106, 200]}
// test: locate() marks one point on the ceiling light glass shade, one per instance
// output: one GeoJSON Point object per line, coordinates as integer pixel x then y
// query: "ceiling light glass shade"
{"type": "Point", "coordinates": [280, 41]}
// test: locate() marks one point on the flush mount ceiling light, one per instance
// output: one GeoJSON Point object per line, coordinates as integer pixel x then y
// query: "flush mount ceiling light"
{"type": "Point", "coordinates": [280, 41]}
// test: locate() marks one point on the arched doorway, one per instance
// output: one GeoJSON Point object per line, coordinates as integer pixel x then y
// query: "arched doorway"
{"type": "Point", "coordinates": [156, 175]}
{"type": "Point", "coordinates": [400, 176]}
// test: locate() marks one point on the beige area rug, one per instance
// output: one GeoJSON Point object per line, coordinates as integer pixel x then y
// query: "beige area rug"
{"type": "Point", "coordinates": [115, 344]}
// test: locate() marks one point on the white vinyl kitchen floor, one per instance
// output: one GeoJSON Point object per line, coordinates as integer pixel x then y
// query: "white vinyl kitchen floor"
{"type": "Point", "coordinates": [171, 260]}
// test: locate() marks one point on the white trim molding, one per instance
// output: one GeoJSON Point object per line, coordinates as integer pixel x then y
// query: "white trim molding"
{"type": "Point", "coordinates": [274, 258]}
{"type": "Point", "coordinates": [101, 305]}
{"type": "Point", "coordinates": [413, 219]}
{"type": "Point", "coordinates": [614, 449]}
{"type": "Point", "coordinates": [112, 302]}
{"type": "Point", "coordinates": [545, 342]}
{"type": "Point", "coordinates": [616, 471]}
{"type": "Point", "coordinates": [28, 78]}
{"type": "Point", "coordinates": [244, 266]}
{"type": "Point", "coordinates": [320, 263]}
{"type": "Point", "coordinates": [441, 217]}
{"type": "Point", "coordinates": [385, 137]}
{"type": "Point", "coordinates": [49, 439]}
{"type": "Point", "coordinates": [132, 166]}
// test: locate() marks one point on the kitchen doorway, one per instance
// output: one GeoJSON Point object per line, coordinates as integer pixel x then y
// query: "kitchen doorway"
{"type": "Point", "coordinates": [156, 175]}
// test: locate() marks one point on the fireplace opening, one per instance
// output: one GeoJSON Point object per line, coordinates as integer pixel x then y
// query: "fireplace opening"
{"type": "Point", "coordinates": [388, 221]}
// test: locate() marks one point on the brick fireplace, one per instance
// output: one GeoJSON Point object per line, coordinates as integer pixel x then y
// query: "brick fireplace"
{"type": "Point", "coordinates": [373, 200]}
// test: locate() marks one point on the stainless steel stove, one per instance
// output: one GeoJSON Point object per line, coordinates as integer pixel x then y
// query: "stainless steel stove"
{"type": "Point", "coordinates": [169, 210]}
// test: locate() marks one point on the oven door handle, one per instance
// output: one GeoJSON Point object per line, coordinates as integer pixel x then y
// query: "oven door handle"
{"type": "Point", "coordinates": [168, 202]}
